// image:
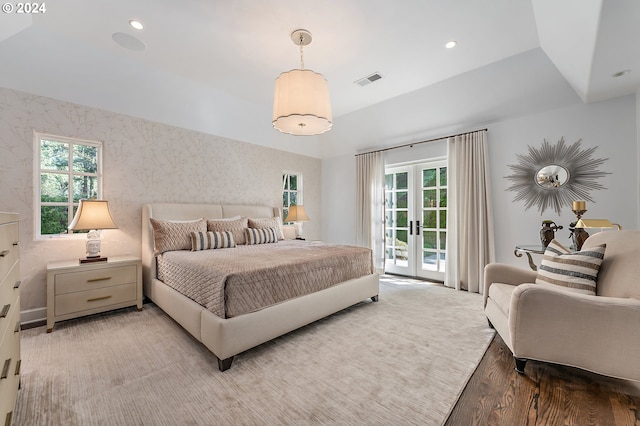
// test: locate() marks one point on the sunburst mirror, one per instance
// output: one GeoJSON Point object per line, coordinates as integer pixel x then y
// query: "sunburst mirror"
{"type": "Point", "coordinates": [555, 175]}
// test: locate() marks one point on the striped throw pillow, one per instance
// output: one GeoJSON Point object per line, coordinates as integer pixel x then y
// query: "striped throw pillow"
{"type": "Point", "coordinates": [260, 236]}
{"type": "Point", "coordinates": [211, 240]}
{"type": "Point", "coordinates": [574, 270]}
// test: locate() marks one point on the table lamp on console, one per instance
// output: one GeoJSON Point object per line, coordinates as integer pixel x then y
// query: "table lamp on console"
{"type": "Point", "coordinates": [577, 228]}
{"type": "Point", "coordinates": [93, 216]}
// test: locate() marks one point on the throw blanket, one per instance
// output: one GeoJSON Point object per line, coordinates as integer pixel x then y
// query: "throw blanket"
{"type": "Point", "coordinates": [235, 281]}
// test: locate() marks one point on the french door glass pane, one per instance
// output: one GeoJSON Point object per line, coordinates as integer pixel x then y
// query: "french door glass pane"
{"type": "Point", "coordinates": [429, 219]}
{"type": "Point", "coordinates": [443, 219]}
{"type": "Point", "coordinates": [443, 176]}
{"type": "Point", "coordinates": [443, 197]}
{"type": "Point", "coordinates": [402, 180]}
{"type": "Point", "coordinates": [429, 239]}
{"type": "Point", "coordinates": [402, 199]}
{"type": "Point", "coordinates": [429, 198]}
{"type": "Point", "coordinates": [429, 178]}
{"type": "Point", "coordinates": [401, 219]}
{"type": "Point", "coordinates": [401, 248]}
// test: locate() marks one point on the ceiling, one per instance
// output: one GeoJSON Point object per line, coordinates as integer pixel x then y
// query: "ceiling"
{"type": "Point", "coordinates": [211, 65]}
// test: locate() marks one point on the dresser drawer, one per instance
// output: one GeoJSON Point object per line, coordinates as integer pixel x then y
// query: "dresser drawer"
{"type": "Point", "coordinates": [8, 291]}
{"type": "Point", "coordinates": [91, 299]}
{"type": "Point", "coordinates": [10, 356]}
{"type": "Point", "coordinates": [9, 249]}
{"type": "Point", "coordinates": [94, 279]}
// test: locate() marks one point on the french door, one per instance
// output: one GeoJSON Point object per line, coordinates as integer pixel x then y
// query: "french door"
{"type": "Point", "coordinates": [416, 219]}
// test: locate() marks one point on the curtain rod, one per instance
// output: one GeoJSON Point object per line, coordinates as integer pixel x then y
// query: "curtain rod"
{"type": "Point", "coordinates": [417, 143]}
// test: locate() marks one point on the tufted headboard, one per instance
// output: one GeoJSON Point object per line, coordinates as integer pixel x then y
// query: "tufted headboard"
{"type": "Point", "coordinates": [175, 211]}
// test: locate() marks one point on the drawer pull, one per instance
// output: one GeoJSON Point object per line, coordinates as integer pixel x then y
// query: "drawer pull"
{"type": "Point", "coordinates": [17, 284]}
{"type": "Point", "coordinates": [15, 243]}
{"type": "Point", "coordinates": [98, 298]}
{"type": "Point", "coordinates": [18, 367]}
{"type": "Point", "coordinates": [3, 253]}
{"type": "Point", "coordinates": [17, 327]}
{"type": "Point", "coordinates": [5, 310]}
{"type": "Point", "coordinates": [93, 280]}
{"type": "Point", "coordinates": [5, 369]}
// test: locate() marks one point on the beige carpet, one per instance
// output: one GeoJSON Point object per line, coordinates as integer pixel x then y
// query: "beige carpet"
{"type": "Point", "coordinates": [403, 360]}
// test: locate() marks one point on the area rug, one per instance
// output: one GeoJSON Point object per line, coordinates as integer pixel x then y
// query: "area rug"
{"type": "Point", "coordinates": [403, 360]}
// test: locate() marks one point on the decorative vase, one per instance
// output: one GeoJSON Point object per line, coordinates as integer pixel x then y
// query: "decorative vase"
{"type": "Point", "coordinates": [547, 233]}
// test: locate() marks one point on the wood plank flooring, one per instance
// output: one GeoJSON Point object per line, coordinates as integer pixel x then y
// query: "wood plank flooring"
{"type": "Point", "coordinates": [546, 394]}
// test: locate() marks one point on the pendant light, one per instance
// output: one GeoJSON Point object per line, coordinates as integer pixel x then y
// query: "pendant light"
{"type": "Point", "coordinates": [301, 104]}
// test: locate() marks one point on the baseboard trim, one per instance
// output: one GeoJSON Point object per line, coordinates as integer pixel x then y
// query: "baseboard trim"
{"type": "Point", "coordinates": [33, 317]}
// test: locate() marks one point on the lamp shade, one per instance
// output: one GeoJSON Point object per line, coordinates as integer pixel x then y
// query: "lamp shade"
{"type": "Point", "coordinates": [92, 214]}
{"type": "Point", "coordinates": [301, 103]}
{"type": "Point", "coordinates": [297, 214]}
{"type": "Point", "coordinates": [596, 223]}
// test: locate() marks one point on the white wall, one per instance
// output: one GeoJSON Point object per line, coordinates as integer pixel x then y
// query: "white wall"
{"type": "Point", "coordinates": [143, 162]}
{"type": "Point", "coordinates": [610, 126]}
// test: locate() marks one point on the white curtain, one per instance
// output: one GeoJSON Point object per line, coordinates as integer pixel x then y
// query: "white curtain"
{"type": "Point", "coordinates": [370, 205]}
{"type": "Point", "coordinates": [470, 241]}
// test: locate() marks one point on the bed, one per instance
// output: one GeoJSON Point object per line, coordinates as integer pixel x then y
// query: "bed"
{"type": "Point", "coordinates": [228, 331]}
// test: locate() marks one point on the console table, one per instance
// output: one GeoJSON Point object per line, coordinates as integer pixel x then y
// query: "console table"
{"type": "Point", "coordinates": [528, 250]}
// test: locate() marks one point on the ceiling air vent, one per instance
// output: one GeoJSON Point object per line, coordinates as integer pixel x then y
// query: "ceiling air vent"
{"type": "Point", "coordinates": [368, 80]}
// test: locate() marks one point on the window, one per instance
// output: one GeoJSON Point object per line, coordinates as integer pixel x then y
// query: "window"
{"type": "Point", "coordinates": [67, 170]}
{"type": "Point", "coordinates": [291, 191]}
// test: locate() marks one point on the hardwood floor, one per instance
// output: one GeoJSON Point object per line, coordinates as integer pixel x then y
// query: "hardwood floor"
{"type": "Point", "coordinates": [546, 394]}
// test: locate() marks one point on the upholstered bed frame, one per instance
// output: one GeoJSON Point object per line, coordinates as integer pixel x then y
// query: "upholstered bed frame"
{"type": "Point", "coordinates": [226, 338]}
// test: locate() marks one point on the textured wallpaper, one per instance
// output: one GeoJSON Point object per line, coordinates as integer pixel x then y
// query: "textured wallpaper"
{"type": "Point", "coordinates": [143, 162]}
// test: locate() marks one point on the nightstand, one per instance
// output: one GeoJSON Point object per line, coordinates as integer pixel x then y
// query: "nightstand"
{"type": "Point", "coordinates": [75, 290]}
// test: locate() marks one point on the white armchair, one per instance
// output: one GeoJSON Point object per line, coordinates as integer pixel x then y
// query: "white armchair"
{"type": "Point", "coordinates": [544, 322]}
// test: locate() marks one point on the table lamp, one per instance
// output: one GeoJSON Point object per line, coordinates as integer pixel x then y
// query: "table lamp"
{"type": "Point", "coordinates": [93, 216]}
{"type": "Point", "coordinates": [297, 215]}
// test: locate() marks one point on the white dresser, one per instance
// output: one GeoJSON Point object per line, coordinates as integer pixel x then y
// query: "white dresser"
{"type": "Point", "coordinates": [9, 315]}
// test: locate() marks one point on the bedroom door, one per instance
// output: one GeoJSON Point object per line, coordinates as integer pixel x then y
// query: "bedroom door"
{"type": "Point", "coordinates": [416, 219]}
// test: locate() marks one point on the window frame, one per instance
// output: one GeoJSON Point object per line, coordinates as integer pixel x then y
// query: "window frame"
{"type": "Point", "coordinates": [70, 204]}
{"type": "Point", "coordinates": [298, 191]}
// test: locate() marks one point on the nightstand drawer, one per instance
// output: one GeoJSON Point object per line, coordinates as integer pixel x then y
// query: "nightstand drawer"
{"type": "Point", "coordinates": [91, 299]}
{"type": "Point", "coordinates": [94, 279]}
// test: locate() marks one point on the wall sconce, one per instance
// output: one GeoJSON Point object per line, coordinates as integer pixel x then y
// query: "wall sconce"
{"type": "Point", "coordinates": [93, 216]}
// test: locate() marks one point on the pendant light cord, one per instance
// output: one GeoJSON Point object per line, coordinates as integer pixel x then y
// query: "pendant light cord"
{"type": "Point", "coordinates": [301, 53]}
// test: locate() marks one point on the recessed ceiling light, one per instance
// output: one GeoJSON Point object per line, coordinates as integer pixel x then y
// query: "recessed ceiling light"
{"type": "Point", "coordinates": [620, 73]}
{"type": "Point", "coordinates": [451, 44]}
{"type": "Point", "coordinates": [136, 24]}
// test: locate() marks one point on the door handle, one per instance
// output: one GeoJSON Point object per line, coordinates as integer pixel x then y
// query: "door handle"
{"type": "Point", "coordinates": [417, 227]}
{"type": "Point", "coordinates": [410, 227]}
